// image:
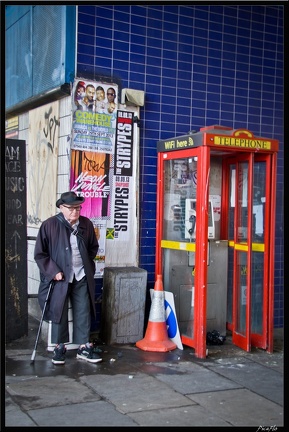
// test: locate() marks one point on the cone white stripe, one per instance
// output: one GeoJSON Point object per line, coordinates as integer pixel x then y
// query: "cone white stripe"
{"type": "Point", "coordinates": [157, 312]}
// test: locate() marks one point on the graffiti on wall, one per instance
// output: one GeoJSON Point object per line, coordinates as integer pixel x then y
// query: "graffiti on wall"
{"type": "Point", "coordinates": [42, 163]}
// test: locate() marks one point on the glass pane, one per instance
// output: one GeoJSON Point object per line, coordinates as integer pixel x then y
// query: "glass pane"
{"type": "Point", "coordinates": [241, 291]}
{"type": "Point", "coordinates": [180, 184]}
{"type": "Point", "coordinates": [230, 285]}
{"type": "Point", "coordinates": [257, 292]}
{"type": "Point", "coordinates": [232, 199]}
{"type": "Point", "coordinates": [242, 202]}
{"type": "Point", "coordinates": [178, 272]}
{"type": "Point", "coordinates": [242, 236]}
{"type": "Point", "coordinates": [259, 202]}
{"type": "Point", "coordinates": [39, 62]}
{"type": "Point", "coordinates": [48, 47]}
{"type": "Point", "coordinates": [179, 279]}
{"type": "Point", "coordinates": [231, 207]}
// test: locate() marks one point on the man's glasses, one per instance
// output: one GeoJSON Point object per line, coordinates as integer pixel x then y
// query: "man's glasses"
{"type": "Point", "coordinates": [71, 209]}
{"type": "Point", "coordinates": [111, 94]}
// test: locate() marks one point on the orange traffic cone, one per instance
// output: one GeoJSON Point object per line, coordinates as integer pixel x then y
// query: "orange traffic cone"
{"type": "Point", "coordinates": [156, 337]}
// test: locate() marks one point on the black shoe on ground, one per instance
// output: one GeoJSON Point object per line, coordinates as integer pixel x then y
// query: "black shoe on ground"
{"type": "Point", "coordinates": [86, 353]}
{"type": "Point", "coordinates": [59, 354]}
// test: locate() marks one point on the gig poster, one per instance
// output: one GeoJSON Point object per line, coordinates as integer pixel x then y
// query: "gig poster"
{"type": "Point", "coordinates": [122, 180]}
{"type": "Point", "coordinates": [91, 177]}
{"type": "Point", "coordinates": [124, 144]}
{"type": "Point", "coordinates": [94, 116]}
{"type": "Point", "coordinates": [90, 174]}
{"type": "Point", "coordinates": [100, 231]}
{"type": "Point", "coordinates": [122, 207]}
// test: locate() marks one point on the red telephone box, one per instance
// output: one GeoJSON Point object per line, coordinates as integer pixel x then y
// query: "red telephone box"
{"type": "Point", "coordinates": [215, 234]}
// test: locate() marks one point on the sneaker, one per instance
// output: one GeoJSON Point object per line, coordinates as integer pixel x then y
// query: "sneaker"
{"type": "Point", "coordinates": [86, 353]}
{"type": "Point", "coordinates": [59, 354]}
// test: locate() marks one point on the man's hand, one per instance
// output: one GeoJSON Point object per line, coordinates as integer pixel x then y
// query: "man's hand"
{"type": "Point", "coordinates": [59, 276]}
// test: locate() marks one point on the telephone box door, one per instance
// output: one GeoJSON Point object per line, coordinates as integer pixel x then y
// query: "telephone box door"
{"type": "Point", "coordinates": [250, 249]}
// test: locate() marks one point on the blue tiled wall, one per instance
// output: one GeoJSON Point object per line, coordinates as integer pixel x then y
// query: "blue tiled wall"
{"type": "Point", "coordinates": [199, 65]}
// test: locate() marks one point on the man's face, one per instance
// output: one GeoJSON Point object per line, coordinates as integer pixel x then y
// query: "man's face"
{"type": "Point", "coordinates": [110, 95]}
{"type": "Point", "coordinates": [71, 213]}
{"type": "Point", "coordinates": [100, 95]}
{"type": "Point", "coordinates": [90, 92]}
{"type": "Point", "coordinates": [80, 90]}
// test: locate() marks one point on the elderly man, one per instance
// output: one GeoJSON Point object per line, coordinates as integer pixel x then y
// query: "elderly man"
{"type": "Point", "coordinates": [65, 249]}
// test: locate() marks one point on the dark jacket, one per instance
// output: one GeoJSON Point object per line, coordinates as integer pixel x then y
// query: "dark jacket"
{"type": "Point", "coordinates": [53, 255]}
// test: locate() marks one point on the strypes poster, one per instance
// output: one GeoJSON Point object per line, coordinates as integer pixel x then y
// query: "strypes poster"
{"type": "Point", "coordinates": [124, 144]}
{"type": "Point", "coordinates": [119, 226]}
{"type": "Point", "coordinates": [94, 116]}
{"type": "Point", "coordinates": [90, 177]}
{"type": "Point", "coordinates": [122, 208]}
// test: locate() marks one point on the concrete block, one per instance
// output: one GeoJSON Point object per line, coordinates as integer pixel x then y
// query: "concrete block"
{"type": "Point", "coordinates": [123, 304]}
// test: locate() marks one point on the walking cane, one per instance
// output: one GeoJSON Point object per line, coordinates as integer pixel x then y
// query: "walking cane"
{"type": "Point", "coordinates": [41, 321]}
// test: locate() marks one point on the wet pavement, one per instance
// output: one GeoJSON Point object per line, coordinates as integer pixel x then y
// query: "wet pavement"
{"type": "Point", "coordinates": [131, 387]}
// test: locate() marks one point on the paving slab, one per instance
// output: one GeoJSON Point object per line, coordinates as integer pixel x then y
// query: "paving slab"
{"type": "Point", "coordinates": [34, 392]}
{"type": "Point", "coordinates": [14, 416]}
{"type": "Point", "coordinates": [198, 382]}
{"type": "Point", "coordinates": [241, 407]}
{"type": "Point", "coordinates": [194, 415]}
{"type": "Point", "coordinates": [99, 413]}
{"type": "Point", "coordinates": [138, 392]}
{"type": "Point", "coordinates": [272, 360]}
{"type": "Point", "coordinates": [261, 379]}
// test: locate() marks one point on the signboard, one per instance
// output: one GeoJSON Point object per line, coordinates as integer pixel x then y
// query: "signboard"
{"type": "Point", "coordinates": [171, 318]}
{"type": "Point", "coordinates": [15, 240]}
{"type": "Point", "coordinates": [12, 127]}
